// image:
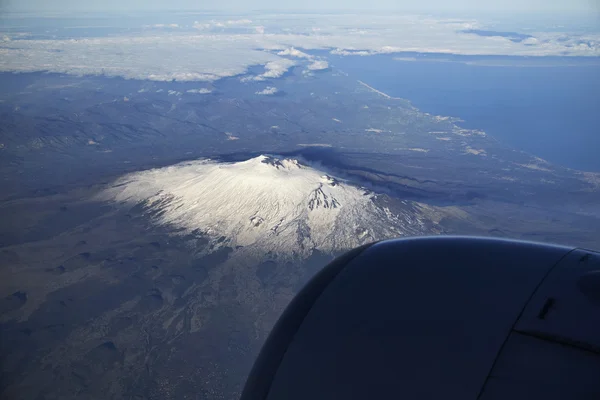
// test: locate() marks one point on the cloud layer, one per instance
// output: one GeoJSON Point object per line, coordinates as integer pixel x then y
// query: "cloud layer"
{"type": "Point", "coordinates": [163, 57]}
{"type": "Point", "coordinates": [212, 49]}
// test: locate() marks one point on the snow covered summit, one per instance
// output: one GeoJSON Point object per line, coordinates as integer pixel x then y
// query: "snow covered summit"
{"type": "Point", "coordinates": [275, 204]}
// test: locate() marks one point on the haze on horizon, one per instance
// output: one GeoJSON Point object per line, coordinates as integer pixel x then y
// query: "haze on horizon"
{"type": "Point", "coordinates": [590, 7]}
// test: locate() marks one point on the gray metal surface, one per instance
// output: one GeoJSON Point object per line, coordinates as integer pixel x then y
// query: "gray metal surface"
{"type": "Point", "coordinates": [416, 318]}
{"type": "Point", "coordinates": [530, 368]}
{"type": "Point", "coordinates": [566, 308]}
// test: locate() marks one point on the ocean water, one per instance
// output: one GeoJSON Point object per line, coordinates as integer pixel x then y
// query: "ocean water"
{"type": "Point", "coordinates": [549, 107]}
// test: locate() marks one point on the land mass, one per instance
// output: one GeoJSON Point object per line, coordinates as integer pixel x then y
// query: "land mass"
{"type": "Point", "coordinates": [116, 297]}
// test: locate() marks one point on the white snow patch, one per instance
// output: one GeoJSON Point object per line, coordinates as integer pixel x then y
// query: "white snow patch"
{"type": "Point", "coordinates": [593, 178]}
{"type": "Point", "coordinates": [477, 152]}
{"type": "Point", "coordinates": [199, 91]}
{"type": "Point", "coordinates": [277, 204]}
{"type": "Point", "coordinates": [461, 132]}
{"type": "Point", "coordinates": [535, 167]}
{"type": "Point", "coordinates": [268, 91]}
{"type": "Point", "coordinates": [315, 145]}
{"type": "Point", "coordinates": [230, 136]}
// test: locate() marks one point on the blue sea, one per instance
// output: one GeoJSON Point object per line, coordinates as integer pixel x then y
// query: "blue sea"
{"type": "Point", "coordinates": [547, 106]}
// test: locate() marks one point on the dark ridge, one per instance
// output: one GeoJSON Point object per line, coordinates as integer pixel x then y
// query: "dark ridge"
{"type": "Point", "coordinates": [108, 346]}
{"type": "Point", "coordinates": [58, 270]}
{"type": "Point", "coordinates": [13, 302]}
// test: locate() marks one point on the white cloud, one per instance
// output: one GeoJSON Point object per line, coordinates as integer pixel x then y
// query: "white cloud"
{"type": "Point", "coordinates": [163, 26]}
{"type": "Point", "coordinates": [202, 25]}
{"type": "Point", "coordinates": [318, 65]}
{"type": "Point", "coordinates": [293, 53]}
{"type": "Point", "coordinates": [228, 47]}
{"type": "Point", "coordinates": [276, 69]}
{"type": "Point", "coordinates": [205, 25]}
{"type": "Point", "coordinates": [239, 22]}
{"type": "Point", "coordinates": [411, 59]}
{"type": "Point", "coordinates": [199, 91]}
{"type": "Point", "coordinates": [165, 57]}
{"type": "Point", "coordinates": [342, 52]}
{"type": "Point", "coordinates": [273, 70]}
{"type": "Point", "coordinates": [268, 91]}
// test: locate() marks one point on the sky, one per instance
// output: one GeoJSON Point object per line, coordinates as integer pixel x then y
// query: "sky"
{"type": "Point", "coordinates": [425, 6]}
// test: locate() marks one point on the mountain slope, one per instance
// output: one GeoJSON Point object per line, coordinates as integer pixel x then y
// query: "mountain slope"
{"type": "Point", "coordinates": [271, 204]}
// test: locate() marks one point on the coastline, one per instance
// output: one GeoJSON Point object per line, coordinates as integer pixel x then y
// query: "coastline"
{"type": "Point", "coordinates": [541, 111]}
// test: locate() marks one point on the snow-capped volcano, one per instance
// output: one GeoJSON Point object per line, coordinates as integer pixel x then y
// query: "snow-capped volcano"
{"type": "Point", "coordinates": [276, 204]}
